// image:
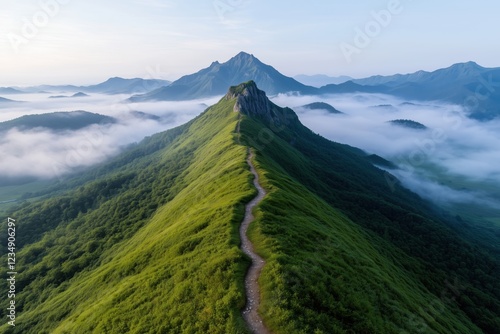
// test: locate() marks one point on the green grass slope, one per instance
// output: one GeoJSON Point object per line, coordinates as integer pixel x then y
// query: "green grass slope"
{"type": "Point", "coordinates": [350, 250]}
{"type": "Point", "coordinates": [324, 274]}
{"type": "Point", "coordinates": [151, 247]}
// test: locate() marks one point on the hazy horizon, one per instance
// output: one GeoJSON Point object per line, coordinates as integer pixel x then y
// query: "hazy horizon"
{"type": "Point", "coordinates": [70, 42]}
{"type": "Point", "coordinates": [104, 78]}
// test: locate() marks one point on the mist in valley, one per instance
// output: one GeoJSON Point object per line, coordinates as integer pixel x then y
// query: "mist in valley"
{"type": "Point", "coordinates": [454, 160]}
{"type": "Point", "coordinates": [41, 153]}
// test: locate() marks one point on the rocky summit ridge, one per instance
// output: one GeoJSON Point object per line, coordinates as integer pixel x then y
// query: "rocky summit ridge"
{"type": "Point", "coordinates": [253, 102]}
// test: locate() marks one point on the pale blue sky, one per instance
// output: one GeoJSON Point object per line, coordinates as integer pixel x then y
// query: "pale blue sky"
{"type": "Point", "coordinates": [87, 41]}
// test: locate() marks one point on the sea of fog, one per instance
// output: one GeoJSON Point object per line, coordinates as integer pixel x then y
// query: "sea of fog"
{"type": "Point", "coordinates": [453, 145]}
{"type": "Point", "coordinates": [42, 153]}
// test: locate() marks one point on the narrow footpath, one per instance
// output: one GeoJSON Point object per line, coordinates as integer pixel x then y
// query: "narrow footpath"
{"type": "Point", "coordinates": [252, 318]}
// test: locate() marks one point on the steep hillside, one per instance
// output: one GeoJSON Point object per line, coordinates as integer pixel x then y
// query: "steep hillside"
{"type": "Point", "coordinates": [149, 243]}
{"type": "Point", "coordinates": [344, 241]}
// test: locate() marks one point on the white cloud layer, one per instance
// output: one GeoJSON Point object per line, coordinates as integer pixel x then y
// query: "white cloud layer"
{"type": "Point", "coordinates": [41, 153]}
{"type": "Point", "coordinates": [456, 159]}
{"type": "Point", "coordinates": [459, 152]}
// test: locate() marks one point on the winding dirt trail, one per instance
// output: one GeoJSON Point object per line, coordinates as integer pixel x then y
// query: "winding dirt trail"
{"type": "Point", "coordinates": [250, 314]}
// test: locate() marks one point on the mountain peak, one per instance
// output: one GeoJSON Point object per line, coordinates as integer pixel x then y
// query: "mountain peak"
{"type": "Point", "coordinates": [244, 88]}
{"type": "Point", "coordinates": [244, 58]}
{"type": "Point", "coordinates": [114, 79]}
{"type": "Point", "coordinates": [250, 100]}
{"type": "Point", "coordinates": [470, 64]}
{"type": "Point", "coordinates": [214, 80]}
{"type": "Point", "coordinates": [467, 66]}
{"type": "Point", "coordinates": [253, 102]}
{"type": "Point", "coordinates": [243, 54]}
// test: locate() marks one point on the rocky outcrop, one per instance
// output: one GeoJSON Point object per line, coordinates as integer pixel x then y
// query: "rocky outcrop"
{"type": "Point", "coordinates": [252, 101]}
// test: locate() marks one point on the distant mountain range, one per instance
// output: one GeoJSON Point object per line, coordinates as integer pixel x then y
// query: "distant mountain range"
{"type": "Point", "coordinates": [467, 84]}
{"type": "Point", "coordinates": [79, 94]}
{"type": "Point", "coordinates": [9, 90]}
{"type": "Point", "coordinates": [4, 100]}
{"type": "Point", "coordinates": [461, 72]}
{"type": "Point", "coordinates": [126, 86]}
{"type": "Point", "coordinates": [475, 88]}
{"type": "Point", "coordinates": [470, 85]}
{"type": "Point", "coordinates": [215, 79]}
{"type": "Point", "coordinates": [319, 80]}
{"type": "Point", "coordinates": [114, 85]}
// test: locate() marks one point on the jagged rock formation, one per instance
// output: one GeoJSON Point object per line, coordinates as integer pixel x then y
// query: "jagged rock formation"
{"type": "Point", "coordinates": [250, 100]}
{"type": "Point", "coordinates": [253, 102]}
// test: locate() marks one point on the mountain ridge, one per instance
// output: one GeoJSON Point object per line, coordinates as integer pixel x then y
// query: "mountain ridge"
{"type": "Point", "coordinates": [458, 69]}
{"type": "Point", "coordinates": [319, 80]}
{"type": "Point", "coordinates": [469, 85]}
{"type": "Point", "coordinates": [114, 85]}
{"type": "Point", "coordinates": [214, 80]}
